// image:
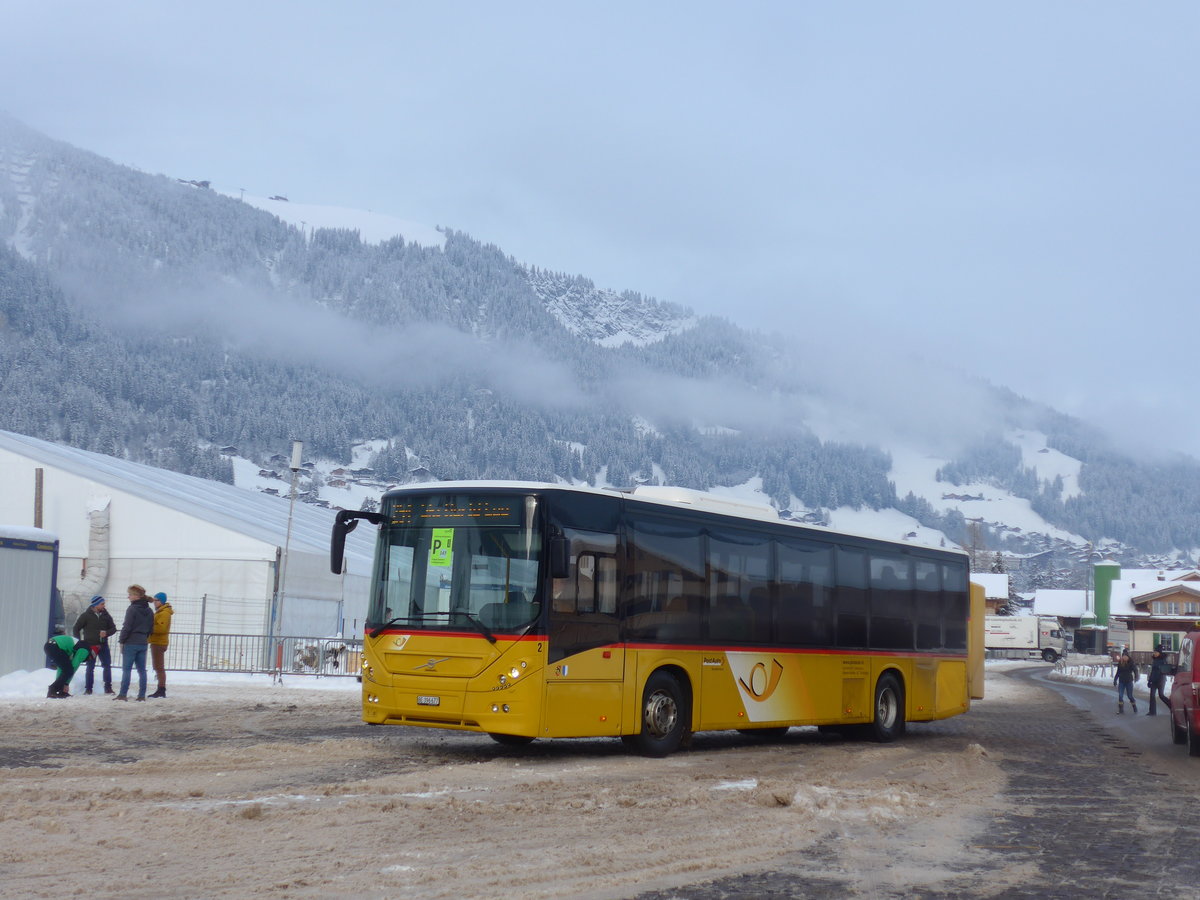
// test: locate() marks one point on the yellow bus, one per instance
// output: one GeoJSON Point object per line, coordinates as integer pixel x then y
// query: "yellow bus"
{"type": "Point", "coordinates": [529, 611]}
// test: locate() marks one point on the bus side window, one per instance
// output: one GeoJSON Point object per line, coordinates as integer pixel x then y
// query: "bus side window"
{"type": "Point", "coordinates": [805, 613]}
{"type": "Point", "coordinates": [760, 609]}
{"type": "Point", "coordinates": [585, 583]}
{"type": "Point", "coordinates": [562, 596]}
{"type": "Point", "coordinates": [668, 582]}
{"type": "Point", "coordinates": [955, 606]}
{"type": "Point", "coordinates": [851, 602]}
{"type": "Point", "coordinates": [891, 618]}
{"type": "Point", "coordinates": [929, 605]}
{"type": "Point", "coordinates": [606, 585]}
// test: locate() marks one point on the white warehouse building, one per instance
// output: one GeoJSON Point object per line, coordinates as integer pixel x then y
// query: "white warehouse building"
{"type": "Point", "coordinates": [216, 550]}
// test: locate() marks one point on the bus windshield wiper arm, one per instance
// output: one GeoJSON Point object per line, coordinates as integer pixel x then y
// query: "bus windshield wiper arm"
{"type": "Point", "coordinates": [470, 617]}
{"type": "Point", "coordinates": [417, 618]}
{"type": "Point", "coordinates": [478, 623]}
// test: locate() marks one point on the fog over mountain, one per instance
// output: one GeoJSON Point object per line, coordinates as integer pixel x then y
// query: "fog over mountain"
{"type": "Point", "coordinates": [156, 319]}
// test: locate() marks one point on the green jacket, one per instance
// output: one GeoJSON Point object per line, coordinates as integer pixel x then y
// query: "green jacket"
{"type": "Point", "coordinates": [77, 653]}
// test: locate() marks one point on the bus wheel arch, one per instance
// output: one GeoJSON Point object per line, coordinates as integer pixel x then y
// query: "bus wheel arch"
{"type": "Point", "coordinates": [664, 714]}
{"type": "Point", "coordinates": [888, 709]}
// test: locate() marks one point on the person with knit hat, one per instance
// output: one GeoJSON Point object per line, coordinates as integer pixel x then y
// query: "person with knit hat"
{"type": "Point", "coordinates": [93, 627]}
{"type": "Point", "coordinates": [159, 638]}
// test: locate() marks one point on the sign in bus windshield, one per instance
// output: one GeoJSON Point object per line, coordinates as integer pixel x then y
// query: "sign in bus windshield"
{"type": "Point", "coordinates": [443, 511]}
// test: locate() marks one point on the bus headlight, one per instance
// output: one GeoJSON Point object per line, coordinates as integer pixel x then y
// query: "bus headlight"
{"type": "Point", "coordinates": [514, 673]}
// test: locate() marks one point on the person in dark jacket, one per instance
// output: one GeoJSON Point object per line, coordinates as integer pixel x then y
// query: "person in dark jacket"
{"type": "Point", "coordinates": [1123, 678]}
{"type": "Point", "coordinates": [68, 655]}
{"type": "Point", "coordinates": [1157, 679]}
{"type": "Point", "coordinates": [134, 638]}
{"type": "Point", "coordinates": [93, 627]}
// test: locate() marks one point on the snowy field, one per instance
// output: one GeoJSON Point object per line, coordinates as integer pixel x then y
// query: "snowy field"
{"type": "Point", "coordinates": [234, 787]}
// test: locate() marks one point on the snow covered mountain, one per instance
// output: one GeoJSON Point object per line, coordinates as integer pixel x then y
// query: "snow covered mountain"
{"type": "Point", "coordinates": [155, 318]}
{"type": "Point", "coordinates": [605, 317]}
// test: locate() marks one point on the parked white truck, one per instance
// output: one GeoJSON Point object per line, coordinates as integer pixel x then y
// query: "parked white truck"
{"type": "Point", "coordinates": [1024, 637]}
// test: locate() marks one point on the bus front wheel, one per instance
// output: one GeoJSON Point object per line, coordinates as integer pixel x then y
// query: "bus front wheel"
{"type": "Point", "coordinates": [888, 723]}
{"type": "Point", "coordinates": [664, 716]}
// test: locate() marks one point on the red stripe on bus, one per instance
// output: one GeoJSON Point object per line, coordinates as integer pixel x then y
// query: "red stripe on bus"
{"type": "Point", "coordinates": [700, 648]}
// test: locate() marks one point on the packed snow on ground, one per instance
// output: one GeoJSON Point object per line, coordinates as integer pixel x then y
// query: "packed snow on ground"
{"type": "Point", "coordinates": [22, 684]}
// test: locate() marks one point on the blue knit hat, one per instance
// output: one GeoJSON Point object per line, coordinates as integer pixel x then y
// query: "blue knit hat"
{"type": "Point", "coordinates": [160, 597]}
{"type": "Point", "coordinates": [96, 601]}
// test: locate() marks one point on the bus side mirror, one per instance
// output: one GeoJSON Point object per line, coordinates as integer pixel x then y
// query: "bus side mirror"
{"type": "Point", "coordinates": [560, 557]}
{"type": "Point", "coordinates": [344, 523]}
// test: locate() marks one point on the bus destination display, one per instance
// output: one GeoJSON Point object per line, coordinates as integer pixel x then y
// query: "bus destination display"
{"type": "Point", "coordinates": [441, 511]}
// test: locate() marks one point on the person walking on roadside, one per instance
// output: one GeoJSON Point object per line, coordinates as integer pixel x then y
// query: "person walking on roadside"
{"type": "Point", "coordinates": [68, 655]}
{"type": "Point", "coordinates": [135, 634]}
{"type": "Point", "coordinates": [93, 627]}
{"type": "Point", "coordinates": [159, 638]}
{"type": "Point", "coordinates": [1157, 678]}
{"type": "Point", "coordinates": [1125, 676]}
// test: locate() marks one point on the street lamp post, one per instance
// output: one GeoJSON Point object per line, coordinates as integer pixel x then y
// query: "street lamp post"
{"type": "Point", "coordinates": [297, 453]}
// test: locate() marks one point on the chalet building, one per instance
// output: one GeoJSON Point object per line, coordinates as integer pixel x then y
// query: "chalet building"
{"type": "Point", "coordinates": [1156, 606]}
{"type": "Point", "coordinates": [1164, 609]}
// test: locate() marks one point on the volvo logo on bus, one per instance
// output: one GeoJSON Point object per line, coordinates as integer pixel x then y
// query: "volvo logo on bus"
{"type": "Point", "coordinates": [431, 665]}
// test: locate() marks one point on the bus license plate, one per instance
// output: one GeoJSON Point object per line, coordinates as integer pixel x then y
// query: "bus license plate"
{"type": "Point", "coordinates": [429, 701]}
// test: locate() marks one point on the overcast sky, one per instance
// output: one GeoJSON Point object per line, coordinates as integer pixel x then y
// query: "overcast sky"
{"type": "Point", "coordinates": [1011, 186]}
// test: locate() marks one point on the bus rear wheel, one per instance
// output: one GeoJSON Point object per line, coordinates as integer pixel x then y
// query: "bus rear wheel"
{"type": "Point", "coordinates": [888, 723]}
{"type": "Point", "coordinates": [664, 717]}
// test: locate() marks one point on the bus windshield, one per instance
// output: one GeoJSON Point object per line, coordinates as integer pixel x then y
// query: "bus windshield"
{"type": "Point", "coordinates": [458, 561]}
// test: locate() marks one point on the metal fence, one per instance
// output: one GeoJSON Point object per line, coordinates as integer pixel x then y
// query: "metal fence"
{"type": "Point", "coordinates": [250, 653]}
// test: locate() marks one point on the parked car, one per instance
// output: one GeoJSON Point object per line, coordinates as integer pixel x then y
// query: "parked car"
{"type": "Point", "coordinates": [1185, 710]}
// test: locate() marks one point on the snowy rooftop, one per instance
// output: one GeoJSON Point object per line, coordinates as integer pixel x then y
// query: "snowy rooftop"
{"type": "Point", "coordinates": [21, 533]}
{"type": "Point", "coordinates": [1072, 603]}
{"type": "Point", "coordinates": [251, 513]}
{"type": "Point", "coordinates": [995, 585]}
{"type": "Point", "coordinates": [1130, 586]}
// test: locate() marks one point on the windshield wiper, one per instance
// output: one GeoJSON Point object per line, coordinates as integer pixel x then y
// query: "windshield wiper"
{"type": "Point", "coordinates": [417, 618]}
{"type": "Point", "coordinates": [470, 617]}
{"type": "Point", "coordinates": [478, 623]}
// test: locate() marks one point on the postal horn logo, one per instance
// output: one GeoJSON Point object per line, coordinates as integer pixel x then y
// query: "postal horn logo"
{"type": "Point", "coordinates": [400, 640]}
{"type": "Point", "coordinates": [759, 684]}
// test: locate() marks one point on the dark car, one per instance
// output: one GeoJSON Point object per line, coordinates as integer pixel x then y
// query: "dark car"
{"type": "Point", "coordinates": [1185, 716]}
